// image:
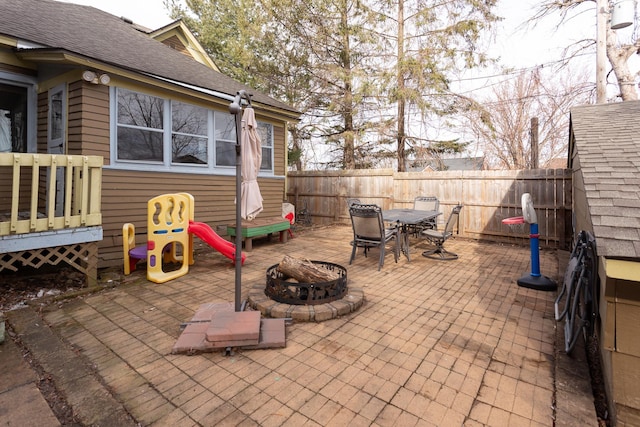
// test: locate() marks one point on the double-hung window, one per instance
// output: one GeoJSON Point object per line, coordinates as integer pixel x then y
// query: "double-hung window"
{"type": "Point", "coordinates": [189, 139]}
{"type": "Point", "coordinates": [265, 131]}
{"type": "Point", "coordinates": [225, 139]}
{"type": "Point", "coordinates": [140, 127]}
{"type": "Point", "coordinates": [163, 134]}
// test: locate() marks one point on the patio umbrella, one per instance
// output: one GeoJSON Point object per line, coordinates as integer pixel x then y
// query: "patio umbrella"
{"type": "Point", "coordinates": [251, 199]}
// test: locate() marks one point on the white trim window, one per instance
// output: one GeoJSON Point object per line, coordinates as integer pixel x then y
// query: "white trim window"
{"type": "Point", "coordinates": [140, 122]}
{"type": "Point", "coordinates": [190, 136]}
{"type": "Point", "coordinates": [225, 139]}
{"type": "Point", "coordinates": [265, 131]}
{"type": "Point", "coordinates": [153, 133]}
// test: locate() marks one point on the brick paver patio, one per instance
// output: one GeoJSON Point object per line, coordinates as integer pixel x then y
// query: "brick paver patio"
{"type": "Point", "coordinates": [436, 343]}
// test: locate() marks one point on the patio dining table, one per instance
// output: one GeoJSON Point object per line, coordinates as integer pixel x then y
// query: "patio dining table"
{"type": "Point", "coordinates": [405, 218]}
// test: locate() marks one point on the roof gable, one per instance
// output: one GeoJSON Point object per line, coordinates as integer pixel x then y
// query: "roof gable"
{"type": "Point", "coordinates": [606, 140]}
{"type": "Point", "coordinates": [177, 36]}
{"type": "Point", "coordinates": [92, 33]}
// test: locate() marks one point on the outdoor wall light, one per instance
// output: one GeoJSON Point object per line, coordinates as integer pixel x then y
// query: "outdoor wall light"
{"type": "Point", "coordinates": [93, 77]}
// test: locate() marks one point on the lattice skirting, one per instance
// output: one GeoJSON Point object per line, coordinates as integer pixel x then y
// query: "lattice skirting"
{"type": "Point", "coordinates": [82, 256]}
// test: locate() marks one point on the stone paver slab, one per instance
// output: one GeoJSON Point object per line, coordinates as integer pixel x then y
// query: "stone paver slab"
{"type": "Point", "coordinates": [232, 326]}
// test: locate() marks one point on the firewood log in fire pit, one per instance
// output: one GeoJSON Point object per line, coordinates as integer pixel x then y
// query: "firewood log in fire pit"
{"type": "Point", "coordinates": [305, 271]}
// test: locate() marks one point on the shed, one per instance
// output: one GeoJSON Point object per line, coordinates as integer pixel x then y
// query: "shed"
{"type": "Point", "coordinates": [604, 155]}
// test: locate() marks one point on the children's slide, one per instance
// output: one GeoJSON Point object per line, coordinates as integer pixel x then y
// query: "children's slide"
{"type": "Point", "coordinates": [210, 237]}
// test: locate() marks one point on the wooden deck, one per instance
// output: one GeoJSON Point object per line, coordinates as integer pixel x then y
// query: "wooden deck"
{"type": "Point", "coordinates": [50, 211]}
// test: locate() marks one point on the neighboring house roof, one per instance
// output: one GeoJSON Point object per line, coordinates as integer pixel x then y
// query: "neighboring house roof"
{"type": "Point", "coordinates": [556, 163]}
{"type": "Point", "coordinates": [64, 32]}
{"type": "Point", "coordinates": [456, 164]}
{"type": "Point", "coordinates": [464, 163]}
{"type": "Point", "coordinates": [606, 140]}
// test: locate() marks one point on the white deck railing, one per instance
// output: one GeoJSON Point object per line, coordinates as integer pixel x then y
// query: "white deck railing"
{"type": "Point", "coordinates": [36, 197]}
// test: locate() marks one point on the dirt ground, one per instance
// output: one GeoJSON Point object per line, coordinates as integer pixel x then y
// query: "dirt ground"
{"type": "Point", "coordinates": [28, 286]}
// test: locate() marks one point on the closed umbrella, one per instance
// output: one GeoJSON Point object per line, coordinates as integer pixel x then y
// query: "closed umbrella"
{"type": "Point", "coordinates": [251, 199]}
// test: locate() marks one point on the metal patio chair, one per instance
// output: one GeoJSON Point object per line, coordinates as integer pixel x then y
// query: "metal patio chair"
{"type": "Point", "coordinates": [425, 203]}
{"type": "Point", "coordinates": [353, 201]}
{"type": "Point", "coordinates": [369, 232]}
{"type": "Point", "coordinates": [438, 238]}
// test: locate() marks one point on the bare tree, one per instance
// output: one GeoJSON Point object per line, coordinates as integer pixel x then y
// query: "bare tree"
{"type": "Point", "coordinates": [500, 122]}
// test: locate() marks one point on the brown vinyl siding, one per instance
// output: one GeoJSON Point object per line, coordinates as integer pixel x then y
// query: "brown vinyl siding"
{"type": "Point", "coordinates": [278, 155]}
{"type": "Point", "coordinates": [43, 116]}
{"type": "Point", "coordinates": [41, 139]}
{"type": "Point", "coordinates": [6, 178]}
{"type": "Point", "coordinates": [88, 110]}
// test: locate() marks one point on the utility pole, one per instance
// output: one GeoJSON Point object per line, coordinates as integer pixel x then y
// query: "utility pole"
{"type": "Point", "coordinates": [534, 143]}
{"type": "Point", "coordinates": [602, 15]}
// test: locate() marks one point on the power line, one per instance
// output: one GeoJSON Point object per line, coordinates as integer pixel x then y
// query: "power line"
{"type": "Point", "coordinates": [521, 70]}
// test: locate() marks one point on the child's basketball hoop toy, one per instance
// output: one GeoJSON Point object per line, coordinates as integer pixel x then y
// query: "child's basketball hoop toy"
{"type": "Point", "coordinates": [534, 280]}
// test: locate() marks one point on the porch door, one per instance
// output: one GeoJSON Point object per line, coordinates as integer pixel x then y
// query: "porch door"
{"type": "Point", "coordinates": [56, 138]}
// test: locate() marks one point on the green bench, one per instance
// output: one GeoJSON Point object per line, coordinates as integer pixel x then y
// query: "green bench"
{"type": "Point", "coordinates": [260, 227]}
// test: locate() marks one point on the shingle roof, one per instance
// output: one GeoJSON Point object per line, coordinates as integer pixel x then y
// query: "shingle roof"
{"type": "Point", "coordinates": [95, 34]}
{"type": "Point", "coordinates": [606, 140]}
{"type": "Point", "coordinates": [464, 163]}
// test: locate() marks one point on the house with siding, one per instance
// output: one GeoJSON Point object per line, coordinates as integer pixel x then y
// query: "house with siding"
{"type": "Point", "coordinates": [99, 115]}
{"type": "Point", "coordinates": [604, 155]}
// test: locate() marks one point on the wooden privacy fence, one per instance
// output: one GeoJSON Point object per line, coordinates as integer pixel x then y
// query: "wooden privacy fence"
{"type": "Point", "coordinates": [488, 197]}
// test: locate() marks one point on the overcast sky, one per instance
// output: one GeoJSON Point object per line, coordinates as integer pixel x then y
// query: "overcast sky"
{"type": "Point", "coordinates": [149, 13]}
{"type": "Point", "coordinates": [518, 46]}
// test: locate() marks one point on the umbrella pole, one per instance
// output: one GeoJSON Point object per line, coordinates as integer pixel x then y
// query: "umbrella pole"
{"type": "Point", "coordinates": [236, 108]}
{"type": "Point", "coordinates": [238, 261]}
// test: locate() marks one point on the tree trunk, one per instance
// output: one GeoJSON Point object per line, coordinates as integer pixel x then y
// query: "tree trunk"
{"type": "Point", "coordinates": [402, 96]}
{"type": "Point", "coordinates": [304, 271]}
{"type": "Point", "coordinates": [619, 58]}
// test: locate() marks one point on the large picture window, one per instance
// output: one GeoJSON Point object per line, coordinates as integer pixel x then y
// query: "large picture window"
{"type": "Point", "coordinates": [178, 135]}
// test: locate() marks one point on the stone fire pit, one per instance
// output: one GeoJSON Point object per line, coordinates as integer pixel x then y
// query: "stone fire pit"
{"type": "Point", "coordinates": [283, 297]}
{"type": "Point", "coordinates": [285, 290]}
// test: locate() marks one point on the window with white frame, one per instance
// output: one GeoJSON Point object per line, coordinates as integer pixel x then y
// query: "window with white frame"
{"type": "Point", "coordinates": [197, 136]}
{"type": "Point", "coordinates": [140, 127]}
{"type": "Point", "coordinates": [265, 131]}
{"type": "Point", "coordinates": [225, 139]}
{"type": "Point", "coordinates": [189, 138]}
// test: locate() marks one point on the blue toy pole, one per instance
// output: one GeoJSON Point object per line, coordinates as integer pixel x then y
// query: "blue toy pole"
{"type": "Point", "coordinates": [535, 280]}
{"type": "Point", "coordinates": [534, 244]}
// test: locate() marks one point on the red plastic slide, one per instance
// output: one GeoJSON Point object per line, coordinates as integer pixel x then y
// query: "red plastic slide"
{"type": "Point", "coordinates": [210, 237]}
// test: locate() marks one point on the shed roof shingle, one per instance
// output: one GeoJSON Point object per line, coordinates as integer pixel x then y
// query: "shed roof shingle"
{"type": "Point", "coordinates": [90, 32]}
{"type": "Point", "coordinates": [606, 139]}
